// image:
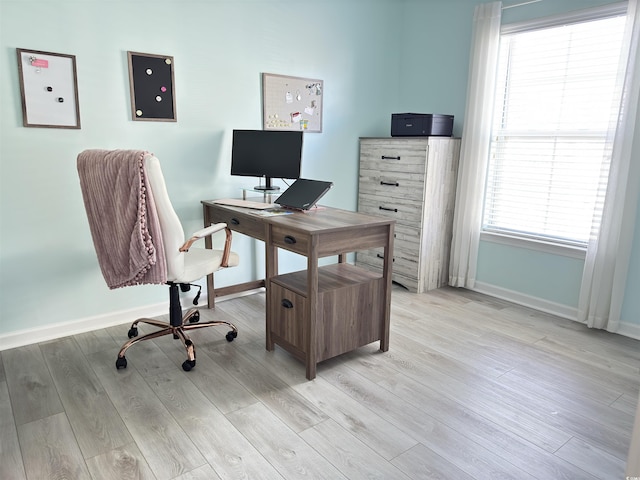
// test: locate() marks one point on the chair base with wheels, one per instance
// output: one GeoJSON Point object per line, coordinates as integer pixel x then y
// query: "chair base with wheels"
{"type": "Point", "coordinates": [177, 326]}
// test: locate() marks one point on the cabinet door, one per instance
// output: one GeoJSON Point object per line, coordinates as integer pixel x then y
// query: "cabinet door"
{"type": "Point", "coordinates": [288, 318]}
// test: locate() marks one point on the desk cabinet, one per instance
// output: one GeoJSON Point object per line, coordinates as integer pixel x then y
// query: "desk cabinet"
{"type": "Point", "coordinates": [324, 311]}
{"type": "Point", "coordinates": [349, 311]}
{"type": "Point", "coordinates": [413, 181]}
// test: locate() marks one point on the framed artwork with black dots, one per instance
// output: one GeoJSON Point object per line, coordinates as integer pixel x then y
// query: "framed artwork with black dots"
{"type": "Point", "coordinates": [151, 82]}
{"type": "Point", "coordinates": [49, 89]}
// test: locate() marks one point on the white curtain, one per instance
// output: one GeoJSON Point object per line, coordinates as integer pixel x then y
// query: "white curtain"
{"type": "Point", "coordinates": [609, 251]}
{"type": "Point", "coordinates": [474, 153]}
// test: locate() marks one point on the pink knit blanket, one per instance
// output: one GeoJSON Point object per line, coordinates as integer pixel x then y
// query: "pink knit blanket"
{"type": "Point", "coordinates": [122, 217]}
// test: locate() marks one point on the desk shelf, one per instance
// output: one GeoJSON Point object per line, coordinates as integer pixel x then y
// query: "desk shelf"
{"type": "Point", "coordinates": [350, 311]}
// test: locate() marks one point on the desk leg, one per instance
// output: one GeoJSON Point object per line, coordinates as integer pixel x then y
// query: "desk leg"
{"type": "Point", "coordinates": [311, 347]}
{"type": "Point", "coordinates": [388, 263]}
{"type": "Point", "coordinates": [208, 243]}
{"type": "Point", "coordinates": [271, 270]}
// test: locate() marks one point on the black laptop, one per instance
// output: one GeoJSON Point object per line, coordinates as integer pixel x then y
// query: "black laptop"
{"type": "Point", "coordinates": [303, 194]}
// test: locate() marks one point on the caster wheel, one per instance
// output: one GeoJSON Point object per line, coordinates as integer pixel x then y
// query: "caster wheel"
{"type": "Point", "coordinates": [121, 362]}
{"type": "Point", "coordinates": [195, 318]}
{"type": "Point", "coordinates": [188, 365]}
{"type": "Point", "coordinates": [133, 332]}
{"type": "Point", "coordinates": [231, 335]}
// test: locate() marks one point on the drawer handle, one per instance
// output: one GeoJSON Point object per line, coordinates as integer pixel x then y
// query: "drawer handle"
{"type": "Point", "coordinates": [382, 256]}
{"type": "Point", "coordinates": [384, 157]}
{"type": "Point", "coordinates": [391, 184]}
{"type": "Point", "coordinates": [286, 303]}
{"type": "Point", "coordinates": [389, 209]}
{"type": "Point", "coordinates": [289, 239]}
{"type": "Point", "coordinates": [235, 221]}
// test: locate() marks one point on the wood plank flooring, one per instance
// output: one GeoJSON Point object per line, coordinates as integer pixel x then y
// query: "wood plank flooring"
{"type": "Point", "coordinates": [471, 388]}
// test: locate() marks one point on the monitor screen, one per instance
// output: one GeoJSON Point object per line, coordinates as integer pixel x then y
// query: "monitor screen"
{"type": "Point", "coordinates": [266, 153]}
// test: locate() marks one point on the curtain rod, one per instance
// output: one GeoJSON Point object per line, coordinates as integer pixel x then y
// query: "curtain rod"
{"type": "Point", "coordinates": [521, 4]}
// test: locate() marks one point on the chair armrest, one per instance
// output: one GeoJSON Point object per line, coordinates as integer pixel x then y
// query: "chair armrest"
{"type": "Point", "coordinates": [208, 231]}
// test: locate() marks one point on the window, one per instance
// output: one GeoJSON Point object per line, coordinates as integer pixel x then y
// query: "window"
{"type": "Point", "coordinates": [556, 103]}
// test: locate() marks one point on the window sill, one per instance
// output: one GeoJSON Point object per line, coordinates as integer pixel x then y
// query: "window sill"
{"type": "Point", "coordinates": [536, 245]}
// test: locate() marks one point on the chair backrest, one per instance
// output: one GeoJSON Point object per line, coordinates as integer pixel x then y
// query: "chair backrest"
{"type": "Point", "coordinates": [172, 231]}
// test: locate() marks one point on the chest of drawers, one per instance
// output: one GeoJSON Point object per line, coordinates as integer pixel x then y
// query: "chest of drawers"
{"type": "Point", "coordinates": [413, 181]}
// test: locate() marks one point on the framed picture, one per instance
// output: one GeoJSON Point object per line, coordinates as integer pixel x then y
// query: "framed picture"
{"type": "Point", "coordinates": [151, 82]}
{"type": "Point", "coordinates": [49, 89]}
{"type": "Point", "coordinates": [291, 103]}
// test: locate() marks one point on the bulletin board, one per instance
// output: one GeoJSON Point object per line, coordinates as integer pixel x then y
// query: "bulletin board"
{"type": "Point", "coordinates": [291, 103]}
{"type": "Point", "coordinates": [151, 83]}
{"type": "Point", "coordinates": [49, 89]}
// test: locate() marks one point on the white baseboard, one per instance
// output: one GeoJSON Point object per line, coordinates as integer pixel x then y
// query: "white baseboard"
{"type": "Point", "coordinates": [45, 333]}
{"type": "Point", "coordinates": [28, 336]}
{"type": "Point", "coordinates": [536, 303]}
{"type": "Point", "coordinates": [629, 330]}
{"type": "Point", "coordinates": [51, 332]}
{"type": "Point", "coordinates": [625, 328]}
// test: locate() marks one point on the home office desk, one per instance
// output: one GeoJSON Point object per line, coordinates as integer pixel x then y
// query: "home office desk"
{"type": "Point", "coordinates": [321, 312]}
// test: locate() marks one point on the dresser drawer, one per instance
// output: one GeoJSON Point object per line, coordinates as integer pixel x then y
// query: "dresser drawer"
{"type": "Point", "coordinates": [404, 211]}
{"type": "Point", "coordinates": [407, 238]}
{"type": "Point", "coordinates": [401, 155]}
{"type": "Point", "coordinates": [406, 265]}
{"type": "Point", "coordinates": [392, 185]}
{"type": "Point", "coordinates": [405, 272]}
{"type": "Point", "coordinates": [406, 242]}
{"type": "Point", "coordinates": [283, 237]}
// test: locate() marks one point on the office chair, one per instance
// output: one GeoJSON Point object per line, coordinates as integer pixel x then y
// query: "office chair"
{"type": "Point", "coordinates": [139, 240]}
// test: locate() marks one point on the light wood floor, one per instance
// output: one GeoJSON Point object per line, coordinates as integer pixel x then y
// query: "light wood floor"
{"type": "Point", "coordinates": [471, 388]}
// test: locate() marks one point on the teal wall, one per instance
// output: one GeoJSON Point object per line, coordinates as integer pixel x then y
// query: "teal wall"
{"type": "Point", "coordinates": [631, 306]}
{"type": "Point", "coordinates": [48, 269]}
{"type": "Point", "coordinates": [375, 57]}
{"type": "Point", "coordinates": [522, 270]}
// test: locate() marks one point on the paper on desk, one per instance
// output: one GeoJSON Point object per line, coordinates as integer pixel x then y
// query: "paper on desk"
{"type": "Point", "coordinates": [270, 212]}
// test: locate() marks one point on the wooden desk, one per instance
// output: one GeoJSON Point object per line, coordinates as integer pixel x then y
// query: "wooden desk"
{"type": "Point", "coordinates": [320, 312]}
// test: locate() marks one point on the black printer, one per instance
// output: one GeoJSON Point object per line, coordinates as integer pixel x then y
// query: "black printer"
{"type": "Point", "coordinates": [421, 125]}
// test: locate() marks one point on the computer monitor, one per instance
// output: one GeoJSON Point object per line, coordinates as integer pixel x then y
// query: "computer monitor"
{"type": "Point", "coordinates": [266, 153]}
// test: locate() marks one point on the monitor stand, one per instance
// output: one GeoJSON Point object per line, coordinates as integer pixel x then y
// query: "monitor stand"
{"type": "Point", "coordinates": [267, 195]}
{"type": "Point", "coordinates": [267, 187]}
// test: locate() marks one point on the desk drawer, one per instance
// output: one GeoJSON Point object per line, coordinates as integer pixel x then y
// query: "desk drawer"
{"type": "Point", "coordinates": [283, 237]}
{"type": "Point", "coordinates": [241, 222]}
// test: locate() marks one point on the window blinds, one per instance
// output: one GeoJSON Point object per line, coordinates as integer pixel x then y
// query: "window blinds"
{"type": "Point", "coordinates": [556, 106]}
